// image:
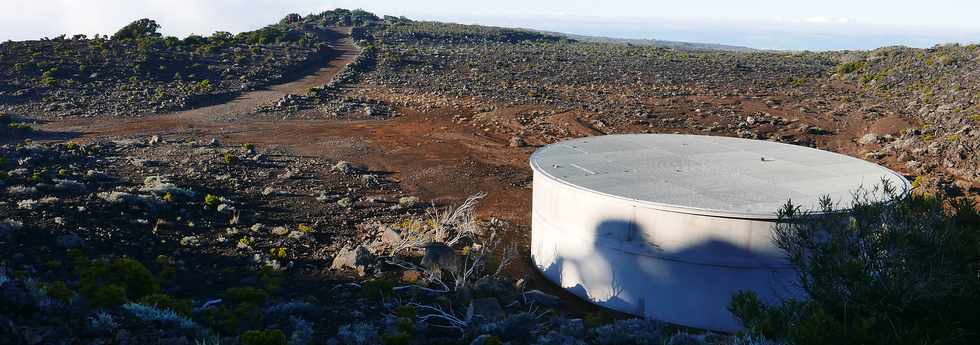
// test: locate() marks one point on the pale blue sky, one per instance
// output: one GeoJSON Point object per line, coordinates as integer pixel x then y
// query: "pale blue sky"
{"type": "Point", "coordinates": [814, 25]}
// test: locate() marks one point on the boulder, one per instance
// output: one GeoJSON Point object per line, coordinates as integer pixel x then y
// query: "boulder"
{"type": "Point", "coordinates": [440, 256]}
{"type": "Point", "coordinates": [868, 139]}
{"type": "Point", "coordinates": [484, 309]}
{"type": "Point", "coordinates": [408, 201]}
{"type": "Point", "coordinates": [357, 259]}
{"type": "Point", "coordinates": [344, 167]}
{"type": "Point", "coordinates": [390, 237]}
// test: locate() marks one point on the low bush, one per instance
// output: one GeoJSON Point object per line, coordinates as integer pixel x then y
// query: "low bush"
{"type": "Point", "coordinates": [246, 295]}
{"type": "Point", "coordinates": [108, 284]}
{"type": "Point", "coordinates": [211, 200]}
{"type": "Point", "coordinates": [890, 270]}
{"type": "Point", "coordinates": [141, 28]}
{"type": "Point", "coordinates": [263, 337]}
{"type": "Point", "coordinates": [850, 67]}
{"type": "Point", "coordinates": [159, 300]}
{"type": "Point", "coordinates": [59, 291]}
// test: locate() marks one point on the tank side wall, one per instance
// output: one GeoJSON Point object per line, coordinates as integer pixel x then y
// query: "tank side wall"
{"type": "Point", "coordinates": [674, 267]}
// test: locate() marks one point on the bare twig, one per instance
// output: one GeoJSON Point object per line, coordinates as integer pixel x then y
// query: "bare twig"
{"type": "Point", "coordinates": [436, 313]}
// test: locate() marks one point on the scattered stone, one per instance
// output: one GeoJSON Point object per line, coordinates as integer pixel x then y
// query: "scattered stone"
{"type": "Point", "coordinates": [21, 190]}
{"type": "Point", "coordinates": [390, 237]}
{"type": "Point", "coordinates": [70, 241]}
{"type": "Point", "coordinates": [272, 191]}
{"type": "Point", "coordinates": [357, 334]}
{"type": "Point", "coordinates": [9, 225]}
{"type": "Point", "coordinates": [357, 259]}
{"type": "Point", "coordinates": [344, 167]}
{"type": "Point", "coordinates": [288, 174]}
{"type": "Point", "coordinates": [370, 180]}
{"type": "Point", "coordinates": [345, 202]}
{"type": "Point", "coordinates": [68, 185]}
{"type": "Point", "coordinates": [28, 204]}
{"type": "Point", "coordinates": [684, 338]}
{"type": "Point", "coordinates": [280, 231]}
{"type": "Point", "coordinates": [225, 209]}
{"type": "Point", "coordinates": [408, 201]}
{"type": "Point", "coordinates": [484, 310]}
{"type": "Point", "coordinates": [161, 185]}
{"type": "Point", "coordinates": [411, 276]}
{"type": "Point", "coordinates": [190, 241]}
{"type": "Point", "coordinates": [868, 139]}
{"type": "Point", "coordinates": [322, 196]}
{"type": "Point", "coordinates": [814, 130]}
{"type": "Point", "coordinates": [117, 197]}
{"type": "Point", "coordinates": [630, 331]}
{"type": "Point", "coordinates": [439, 256]}
{"type": "Point", "coordinates": [874, 155]}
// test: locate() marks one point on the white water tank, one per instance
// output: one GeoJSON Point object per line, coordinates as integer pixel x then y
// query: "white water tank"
{"type": "Point", "coordinates": [669, 227]}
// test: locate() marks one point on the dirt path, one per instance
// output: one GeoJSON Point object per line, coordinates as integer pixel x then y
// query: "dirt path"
{"type": "Point", "coordinates": [430, 155]}
{"type": "Point", "coordinates": [207, 117]}
{"type": "Point", "coordinates": [427, 153]}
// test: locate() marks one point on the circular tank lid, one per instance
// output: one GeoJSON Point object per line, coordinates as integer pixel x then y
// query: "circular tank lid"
{"type": "Point", "coordinates": [718, 176]}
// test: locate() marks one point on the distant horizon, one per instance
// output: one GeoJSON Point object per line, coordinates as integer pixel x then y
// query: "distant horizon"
{"type": "Point", "coordinates": [739, 27]}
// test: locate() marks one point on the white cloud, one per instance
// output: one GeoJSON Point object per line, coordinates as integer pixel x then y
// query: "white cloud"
{"type": "Point", "coordinates": [31, 19]}
{"type": "Point", "coordinates": [814, 20]}
{"type": "Point", "coordinates": [827, 20]}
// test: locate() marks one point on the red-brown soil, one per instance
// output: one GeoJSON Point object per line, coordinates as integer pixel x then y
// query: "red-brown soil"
{"type": "Point", "coordinates": [430, 153]}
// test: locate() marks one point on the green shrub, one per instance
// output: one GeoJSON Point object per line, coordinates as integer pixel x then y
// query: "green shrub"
{"type": "Point", "coordinates": [314, 92]}
{"type": "Point", "coordinates": [230, 158]}
{"type": "Point", "coordinates": [60, 291]}
{"type": "Point", "coordinates": [850, 67]}
{"type": "Point", "coordinates": [20, 127]}
{"type": "Point", "coordinates": [136, 278]}
{"type": "Point", "coordinates": [246, 295]}
{"type": "Point", "coordinates": [48, 78]}
{"type": "Point", "coordinates": [400, 338]}
{"type": "Point", "coordinates": [406, 310]}
{"type": "Point", "coordinates": [53, 264]}
{"type": "Point", "coordinates": [104, 296]}
{"type": "Point", "coordinates": [263, 337]}
{"type": "Point", "coordinates": [899, 272]}
{"type": "Point", "coordinates": [164, 301]}
{"type": "Point", "coordinates": [141, 28]}
{"type": "Point", "coordinates": [378, 288]}
{"type": "Point", "coordinates": [270, 278]}
{"type": "Point", "coordinates": [211, 200]}
{"type": "Point", "coordinates": [111, 284]}
{"type": "Point", "coordinates": [405, 325]}
{"type": "Point", "coordinates": [224, 319]}
{"type": "Point", "coordinates": [203, 87]}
